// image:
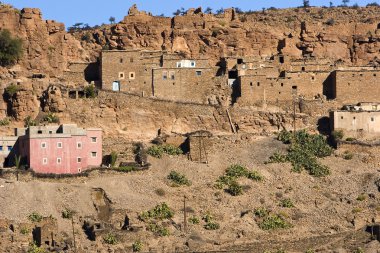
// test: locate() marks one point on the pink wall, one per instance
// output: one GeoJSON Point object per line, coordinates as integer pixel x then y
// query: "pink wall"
{"type": "Point", "coordinates": [68, 153]}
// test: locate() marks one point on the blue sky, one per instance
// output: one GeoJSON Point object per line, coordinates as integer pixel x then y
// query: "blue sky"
{"type": "Point", "coordinates": [96, 12]}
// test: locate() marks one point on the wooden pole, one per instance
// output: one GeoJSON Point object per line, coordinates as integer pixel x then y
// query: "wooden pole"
{"type": "Point", "coordinates": [184, 215]}
{"type": "Point", "coordinates": [72, 224]}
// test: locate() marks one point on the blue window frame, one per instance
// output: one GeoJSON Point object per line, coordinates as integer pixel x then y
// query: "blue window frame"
{"type": "Point", "coordinates": [9, 148]}
{"type": "Point", "coordinates": [1, 148]}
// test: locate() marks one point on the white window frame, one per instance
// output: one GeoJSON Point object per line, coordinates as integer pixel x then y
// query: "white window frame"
{"type": "Point", "coordinates": [43, 145]}
{"type": "Point", "coordinates": [121, 75]}
{"type": "Point", "coordinates": [79, 145]}
{"type": "Point", "coordinates": [179, 64]}
{"type": "Point", "coordinates": [79, 170]}
{"type": "Point", "coordinates": [92, 139]}
{"type": "Point", "coordinates": [59, 146]}
{"type": "Point", "coordinates": [59, 160]}
{"type": "Point", "coordinates": [164, 75]}
{"type": "Point", "coordinates": [44, 161]}
{"type": "Point", "coordinates": [92, 154]}
{"type": "Point", "coordinates": [132, 75]}
{"type": "Point", "coordinates": [79, 158]}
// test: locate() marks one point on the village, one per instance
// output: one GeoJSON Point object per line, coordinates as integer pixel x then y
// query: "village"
{"type": "Point", "coordinates": [159, 150]}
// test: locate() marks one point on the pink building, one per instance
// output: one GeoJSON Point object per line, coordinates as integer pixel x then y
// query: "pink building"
{"type": "Point", "coordinates": [64, 149]}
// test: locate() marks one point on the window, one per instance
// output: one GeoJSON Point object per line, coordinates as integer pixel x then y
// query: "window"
{"type": "Point", "coordinates": [282, 84]}
{"type": "Point", "coordinates": [341, 117]}
{"type": "Point", "coordinates": [281, 59]}
{"type": "Point", "coordinates": [79, 159]}
{"type": "Point", "coordinates": [354, 118]}
{"type": "Point", "coordinates": [59, 160]}
{"type": "Point", "coordinates": [93, 154]}
{"type": "Point", "coordinates": [251, 84]}
{"type": "Point", "coordinates": [164, 75]}
{"type": "Point", "coordinates": [131, 75]}
{"type": "Point", "coordinates": [121, 75]}
{"type": "Point", "coordinates": [79, 145]}
{"type": "Point", "coordinates": [9, 148]}
{"type": "Point", "coordinates": [93, 139]}
{"type": "Point", "coordinates": [192, 64]}
{"type": "Point", "coordinates": [121, 60]}
{"type": "Point", "coordinates": [131, 60]}
{"type": "Point", "coordinates": [172, 75]}
{"type": "Point", "coordinates": [44, 160]}
{"type": "Point", "coordinates": [39, 131]}
{"type": "Point", "coordinates": [79, 170]}
{"type": "Point", "coordinates": [43, 144]}
{"type": "Point", "coordinates": [258, 84]}
{"type": "Point", "coordinates": [198, 73]}
{"type": "Point", "coordinates": [303, 68]}
{"type": "Point", "coordinates": [372, 119]}
{"type": "Point", "coordinates": [179, 65]}
{"type": "Point", "coordinates": [1, 148]}
{"type": "Point", "coordinates": [239, 61]}
{"type": "Point", "coordinates": [59, 144]}
{"type": "Point", "coordinates": [50, 132]}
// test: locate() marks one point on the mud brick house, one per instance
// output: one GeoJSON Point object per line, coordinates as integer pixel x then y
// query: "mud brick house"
{"type": "Point", "coordinates": [64, 149]}
{"type": "Point", "coordinates": [357, 120]}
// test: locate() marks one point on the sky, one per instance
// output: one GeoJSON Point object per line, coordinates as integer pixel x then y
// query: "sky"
{"type": "Point", "coordinates": [96, 12]}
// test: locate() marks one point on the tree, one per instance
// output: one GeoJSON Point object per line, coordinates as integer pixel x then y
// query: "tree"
{"type": "Point", "coordinates": [238, 10]}
{"type": "Point", "coordinates": [10, 48]}
{"type": "Point", "coordinates": [306, 3]}
{"type": "Point", "coordinates": [179, 12]}
{"type": "Point", "coordinates": [112, 20]}
{"type": "Point", "coordinates": [208, 10]}
{"type": "Point", "coordinates": [372, 4]}
{"type": "Point", "coordinates": [345, 2]}
{"type": "Point", "coordinates": [331, 4]}
{"type": "Point", "coordinates": [220, 11]}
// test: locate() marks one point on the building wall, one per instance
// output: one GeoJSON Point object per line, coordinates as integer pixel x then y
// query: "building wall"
{"type": "Point", "coordinates": [255, 88]}
{"type": "Point", "coordinates": [187, 85]}
{"type": "Point", "coordinates": [356, 121]}
{"type": "Point", "coordinates": [45, 146]}
{"type": "Point", "coordinates": [357, 86]}
{"type": "Point", "coordinates": [6, 146]}
{"type": "Point", "coordinates": [133, 69]}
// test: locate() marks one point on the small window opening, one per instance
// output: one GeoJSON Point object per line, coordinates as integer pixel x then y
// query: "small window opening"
{"type": "Point", "coordinates": [39, 131]}
{"type": "Point", "coordinates": [258, 84]}
{"type": "Point", "coordinates": [303, 68]}
{"type": "Point", "coordinates": [121, 60]}
{"type": "Point", "coordinates": [281, 59]}
{"type": "Point", "coordinates": [198, 73]}
{"type": "Point", "coordinates": [131, 60]}
{"type": "Point", "coordinates": [239, 61]}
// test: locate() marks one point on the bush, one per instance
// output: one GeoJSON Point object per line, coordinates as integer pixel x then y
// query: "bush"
{"type": "Point", "coordinates": [350, 139]}
{"type": "Point", "coordinates": [274, 221]}
{"type": "Point", "coordinates": [337, 135]}
{"type": "Point", "coordinates": [194, 220]}
{"type": "Point", "coordinates": [10, 48]}
{"type": "Point", "coordinates": [160, 192]}
{"type": "Point", "coordinates": [11, 90]}
{"type": "Point", "coordinates": [141, 156]}
{"type": "Point", "coordinates": [361, 197]}
{"type": "Point", "coordinates": [35, 217]}
{"type": "Point", "coordinates": [235, 189]}
{"type": "Point", "coordinates": [261, 212]}
{"type": "Point", "coordinates": [125, 168]}
{"type": "Point", "coordinates": [51, 118]}
{"type": "Point", "coordinates": [285, 137]}
{"type": "Point", "coordinates": [28, 121]}
{"type": "Point", "coordinates": [4, 122]}
{"type": "Point", "coordinates": [178, 179]}
{"type": "Point", "coordinates": [33, 248]}
{"type": "Point", "coordinates": [113, 158]}
{"type": "Point", "coordinates": [159, 230]}
{"type": "Point", "coordinates": [303, 153]}
{"type": "Point", "coordinates": [89, 91]}
{"type": "Point", "coordinates": [211, 225]}
{"type": "Point", "coordinates": [110, 239]}
{"type": "Point", "coordinates": [137, 246]}
{"type": "Point", "coordinates": [158, 150]}
{"type": "Point", "coordinates": [330, 22]}
{"type": "Point", "coordinates": [67, 213]}
{"type": "Point", "coordinates": [159, 212]}
{"type": "Point", "coordinates": [24, 231]}
{"type": "Point", "coordinates": [287, 203]}
{"type": "Point", "coordinates": [347, 155]}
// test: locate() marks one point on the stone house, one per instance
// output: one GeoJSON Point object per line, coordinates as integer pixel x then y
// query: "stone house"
{"type": "Point", "coordinates": [357, 120]}
{"type": "Point", "coordinates": [46, 233]}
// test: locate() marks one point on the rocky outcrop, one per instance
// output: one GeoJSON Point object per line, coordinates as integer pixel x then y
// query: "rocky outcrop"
{"type": "Point", "coordinates": [23, 103]}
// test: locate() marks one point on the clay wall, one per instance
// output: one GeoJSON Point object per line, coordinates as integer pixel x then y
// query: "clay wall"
{"type": "Point", "coordinates": [182, 84]}
{"type": "Point", "coordinates": [357, 86]}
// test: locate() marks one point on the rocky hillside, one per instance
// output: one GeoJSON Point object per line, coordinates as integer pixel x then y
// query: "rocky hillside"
{"type": "Point", "coordinates": [348, 34]}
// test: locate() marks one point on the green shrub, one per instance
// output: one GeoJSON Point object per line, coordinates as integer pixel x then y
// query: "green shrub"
{"type": "Point", "coordinates": [159, 212]}
{"type": "Point", "coordinates": [286, 203]}
{"type": "Point", "coordinates": [310, 251]}
{"type": "Point", "coordinates": [11, 90]}
{"type": "Point", "coordinates": [159, 230]}
{"type": "Point", "coordinates": [235, 189]}
{"type": "Point", "coordinates": [361, 197]}
{"type": "Point", "coordinates": [5, 122]}
{"type": "Point", "coordinates": [160, 192]}
{"type": "Point", "coordinates": [211, 225]}
{"type": "Point", "coordinates": [277, 158]}
{"type": "Point", "coordinates": [24, 231]}
{"type": "Point", "coordinates": [194, 220]}
{"type": "Point", "coordinates": [125, 168]}
{"type": "Point", "coordinates": [285, 137]}
{"type": "Point", "coordinates": [261, 212]}
{"type": "Point", "coordinates": [35, 217]}
{"type": "Point", "coordinates": [347, 155]}
{"type": "Point", "coordinates": [110, 239]}
{"type": "Point", "coordinates": [255, 175]}
{"type": "Point", "coordinates": [178, 179]}
{"type": "Point", "coordinates": [28, 121]}
{"type": "Point", "coordinates": [236, 171]}
{"type": "Point", "coordinates": [304, 151]}
{"type": "Point", "coordinates": [350, 139]}
{"type": "Point", "coordinates": [207, 217]}
{"type": "Point", "coordinates": [10, 48]}
{"type": "Point", "coordinates": [137, 246]}
{"type": "Point", "coordinates": [337, 135]}
{"type": "Point", "coordinates": [67, 213]}
{"type": "Point", "coordinates": [33, 248]}
{"type": "Point", "coordinates": [274, 221]}
{"type": "Point", "coordinates": [89, 91]}
{"type": "Point", "coordinates": [158, 150]}
{"type": "Point", "coordinates": [113, 158]}
{"type": "Point", "coordinates": [51, 118]}
{"type": "Point", "coordinates": [358, 250]}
